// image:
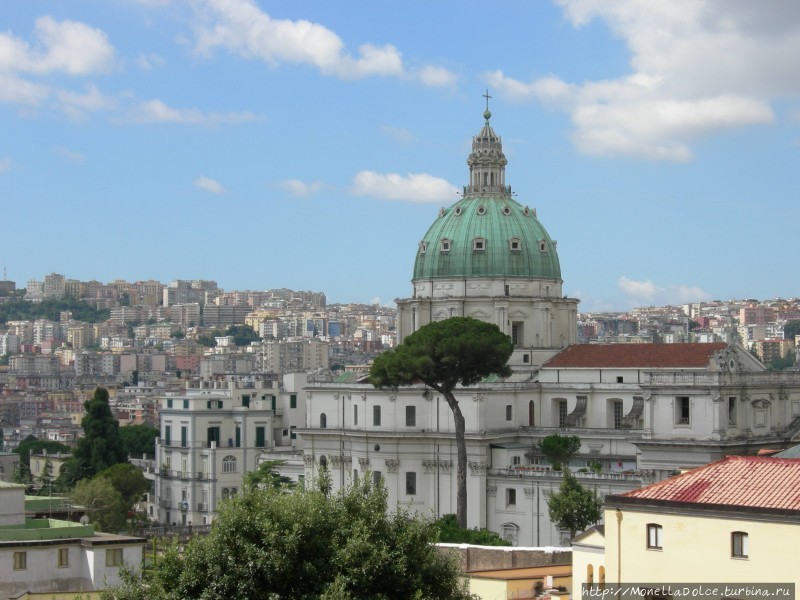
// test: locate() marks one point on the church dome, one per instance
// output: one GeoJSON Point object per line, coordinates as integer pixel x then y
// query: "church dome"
{"type": "Point", "coordinates": [487, 233]}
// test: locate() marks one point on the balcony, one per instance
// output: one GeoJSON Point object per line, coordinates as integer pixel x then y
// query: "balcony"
{"type": "Point", "coordinates": [165, 503]}
{"type": "Point", "coordinates": [202, 507]}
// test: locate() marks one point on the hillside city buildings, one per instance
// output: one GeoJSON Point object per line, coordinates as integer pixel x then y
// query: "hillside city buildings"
{"type": "Point", "coordinates": [649, 392]}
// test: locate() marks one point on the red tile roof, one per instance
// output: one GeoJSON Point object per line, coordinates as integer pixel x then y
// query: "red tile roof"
{"type": "Point", "coordinates": [633, 356]}
{"type": "Point", "coordinates": [745, 481]}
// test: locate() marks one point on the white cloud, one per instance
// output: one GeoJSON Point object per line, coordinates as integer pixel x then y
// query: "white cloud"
{"type": "Point", "coordinates": [5, 165]}
{"type": "Point", "coordinates": [148, 61]}
{"type": "Point", "coordinates": [241, 27]}
{"type": "Point", "coordinates": [414, 187]}
{"type": "Point", "coordinates": [71, 155]}
{"type": "Point", "coordinates": [436, 76]}
{"type": "Point", "coordinates": [66, 46]}
{"type": "Point", "coordinates": [209, 185]}
{"type": "Point", "coordinates": [646, 292]}
{"type": "Point", "coordinates": [398, 133]}
{"type": "Point", "coordinates": [301, 189]}
{"type": "Point", "coordinates": [156, 111]}
{"type": "Point", "coordinates": [697, 67]}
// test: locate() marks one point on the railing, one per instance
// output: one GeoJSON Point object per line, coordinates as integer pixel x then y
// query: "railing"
{"type": "Point", "coordinates": [542, 472]}
{"type": "Point", "coordinates": [185, 475]}
{"type": "Point", "coordinates": [165, 503]}
{"type": "Point", "coordinates": [202, 507]}
{"type": "Point", "coordinates": [168, 531]}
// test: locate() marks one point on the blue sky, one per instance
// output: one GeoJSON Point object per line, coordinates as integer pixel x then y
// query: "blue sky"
{"type": "Point", "coordinates": [310, 144]}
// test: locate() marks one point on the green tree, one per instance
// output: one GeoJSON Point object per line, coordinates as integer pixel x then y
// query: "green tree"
{"type": "Point", "coordinates": [139, 439]}
{"type": "Point", "coordinates": [242, 334]}
{"type": "Point", "coordinates": [306, 544]}
{"type": "Point", "coordinates": [267, 476]}
{"type": "Point", "coordinates": [791, 329]}
{"type": "Point", "coordinates": [559, 449]}
{"type": "Point", "coordinates": [442, 355]}
{"type": "Point", "coordinates": [573, 508]}
{"type": "Point", "coordinates": [451, 533]}
{"type": "Point", "coordinates": [101, 445]}
{"type": "Point", "coordinates": [128, 480]}
{"type": "Point", "coordinates": [103, 503]}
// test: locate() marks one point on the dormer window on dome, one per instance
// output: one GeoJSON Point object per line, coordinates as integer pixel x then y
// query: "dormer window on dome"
{"type": "Point", "coordinates": [515, 245]}
{"type": "Point", "coordinates": [423, 246]}
{"type": "Point", "coordinates": [444, 245]}
{"type": "Point", "coordinates": [481, 210]}
{"type": "Point", "coordinates": [457, 211]}
{"type": "Point", "coordinates": [506, 210]}
{"type": "Point", "coordinates": [542, 246]}
{"type": "Point", "coordinates": [479, 244]}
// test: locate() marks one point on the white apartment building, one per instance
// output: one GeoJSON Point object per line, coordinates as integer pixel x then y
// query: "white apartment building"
{"type": "Point", "coordinates": [212, 436]}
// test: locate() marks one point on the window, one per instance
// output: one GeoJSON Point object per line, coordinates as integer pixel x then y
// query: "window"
{"type": "Point", "coordinates": [186, 404]}
{"type": "Point", "coordinates": [511, 497]}
{"type": "Point", "coordinates": [376, 415]}
{"type": "Point", "coordinates": [355, 415]}
{"type": "Point", "coordinates": [246, 400]}
{"type": "Point", "coordinates": [323, 462]}
{"type": "Point", "coordinates": [260, 437]}
{"type": "Point", "coordinates": [292, 433]}
{"type": "Point", "coordinates": [213, 436]}
{"type": "Point", "coordinates": [411, 483]}
{"type": "Point", "coordinates": [739, 544]}
{"type": "Point", "coordinates": [376, 478]}
{"type": "Point", "coordinates": [293, 401]}
{"type": "Point", "coordinates": [562, 413]}
{"type": "Point", "coordinates": [113, 557]}
{"type": "Point", "coordinates": [422, 247]}
{"type": "Point", "coordinates": [167, 435]}
{"type": "Point", "coordinates": [444, 245]}
{"type": "Point", "coordinates": [620, 379]}
{"type": "Point", "coordinates": [323, 421]}
{"type": "Point", "coordinates": [229, 464]}
{"type": "Point", "coordinates": [732, 410]}
{"type": "Point", "coordinates": [184, 436]}
{"type": "Point", "coordinates": [479, 244]}
{"type": "Point", "coordinates": [169, 402]}
{"type": "Point", "coordinates": [411, 416]}
{"type": "Point", "coordinates": [542, 246]}
{"type": "Point", "coordinates": [654, 536]}
{"type": "Point", "coordinates": [682, 410]}
{"type": "Point", "coordinates": [589, 575]}
{"type": "Point", "coordinates": [509, 412]}
{"type": "Point", "coordinates": [238, 441]}
{"type": "Point", "coordinates": [514, 245]}
{"type": "Point", "coordinates": [516, 333]}
{"type": "Point", "coordinates": [20, 561]}
{"type": "Point", "coordinates": [617, 408]}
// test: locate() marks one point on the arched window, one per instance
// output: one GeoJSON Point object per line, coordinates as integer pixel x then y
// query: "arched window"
{"type": "Point", "coordinates": [229, 464]}
{"type": "Point", "coordinates": [323, 421]}
{"type": "Point", "coordinates": [323, 462]}
{"type": "Point", "coordinates": [509, 532]}
{"type": "Point", "coordinates": [531, 414]}
{"type": "Point", "coordinates": [601, 571]}
{"type": "Point", "coordinates": [589, 575]}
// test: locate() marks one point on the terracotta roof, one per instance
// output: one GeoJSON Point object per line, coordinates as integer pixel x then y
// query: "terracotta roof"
{"type": "Point", "coordinates": [632, 356]}
{"type": "Point", "coordinates": [745, 481]}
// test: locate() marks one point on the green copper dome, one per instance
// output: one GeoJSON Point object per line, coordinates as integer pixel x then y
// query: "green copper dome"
{"type": "Point", "coordinates": [487, 233]}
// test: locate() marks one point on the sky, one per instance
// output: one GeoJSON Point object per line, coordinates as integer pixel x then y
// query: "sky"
{"type": "Point", "coordinates": [310, 144]}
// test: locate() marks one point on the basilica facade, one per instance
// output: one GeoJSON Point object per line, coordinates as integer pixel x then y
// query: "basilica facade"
{"type": "Point", "coordinates": [641, 411]}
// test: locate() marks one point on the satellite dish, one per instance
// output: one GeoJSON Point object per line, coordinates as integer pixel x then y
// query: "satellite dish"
{"type": "Point", "coordinates": [84, 520]}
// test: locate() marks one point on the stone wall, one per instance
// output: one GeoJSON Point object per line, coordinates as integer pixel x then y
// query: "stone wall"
{"type": "Point", "coordinates": [484, 558]}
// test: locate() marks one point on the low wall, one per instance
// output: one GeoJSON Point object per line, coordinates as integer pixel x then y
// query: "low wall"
{"type": "Point", "coordinates": [484, 558]}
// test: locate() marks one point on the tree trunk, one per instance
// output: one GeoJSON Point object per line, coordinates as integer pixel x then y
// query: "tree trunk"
{"type": "Point", "coordinates": [461, 470]}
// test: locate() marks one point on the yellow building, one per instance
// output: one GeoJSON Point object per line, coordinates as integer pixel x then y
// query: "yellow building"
{"type": "Point", "coordinates": [734, 521]}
